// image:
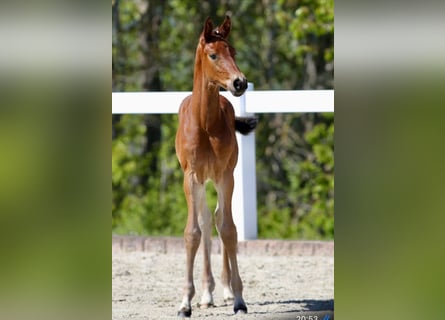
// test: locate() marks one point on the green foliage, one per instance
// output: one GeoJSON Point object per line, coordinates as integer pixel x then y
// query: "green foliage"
{"type": "Point", "coordinates": [287, 44]}
{"type": "Point", "coordinates": [147, 186]}
{"type": "Point", "coordinates": [296, 184]}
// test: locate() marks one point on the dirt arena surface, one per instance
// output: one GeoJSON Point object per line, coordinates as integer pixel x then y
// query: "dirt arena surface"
{"type": "Point", "coordinates": [147, 280]}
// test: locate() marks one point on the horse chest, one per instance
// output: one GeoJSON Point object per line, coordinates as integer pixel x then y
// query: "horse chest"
{"type": "Point", "coordinates": [212, 155]}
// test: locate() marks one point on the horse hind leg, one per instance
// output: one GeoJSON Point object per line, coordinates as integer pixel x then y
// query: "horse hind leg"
{"type": "Point", "coordinates": [226, 277]}
{"type": "Point", "coordinates": [225, 273]}
{"type": "Point", "coordinates": [208, 282]}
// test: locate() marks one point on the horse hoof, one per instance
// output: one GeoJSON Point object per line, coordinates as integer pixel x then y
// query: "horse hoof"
{"type": "Point", "coordinates": [240, 309]}
{"type": "Point", "coordinates": [205, 305]}
{"type": "Point", "coordinates": [185, 313]}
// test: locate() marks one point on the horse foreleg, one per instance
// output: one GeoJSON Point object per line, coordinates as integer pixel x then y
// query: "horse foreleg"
{"type": "Point", "coordinates": [228, 234]}
{"type": "Point", "coordinates": [192, 237]}
{"type": "Point", "coordinates": [229, 237]}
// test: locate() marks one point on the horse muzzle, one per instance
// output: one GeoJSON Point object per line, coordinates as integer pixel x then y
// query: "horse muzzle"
{"type": "Point", "coordinates": [238, 86]}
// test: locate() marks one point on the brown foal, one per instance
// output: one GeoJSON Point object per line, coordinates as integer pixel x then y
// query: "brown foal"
{"type": "Point", "coordinates": [207, 150]}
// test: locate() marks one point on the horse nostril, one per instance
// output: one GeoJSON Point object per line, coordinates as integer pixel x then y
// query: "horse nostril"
{"type": "Point", "coordinates": [240, 84]}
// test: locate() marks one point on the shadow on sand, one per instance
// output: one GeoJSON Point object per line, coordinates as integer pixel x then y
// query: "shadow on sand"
{"type": "Point", "coordinates": [318, 309]}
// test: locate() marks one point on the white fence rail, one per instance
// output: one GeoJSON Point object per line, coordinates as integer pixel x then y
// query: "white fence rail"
{"type": "Point", "coordinates": [275, 101]}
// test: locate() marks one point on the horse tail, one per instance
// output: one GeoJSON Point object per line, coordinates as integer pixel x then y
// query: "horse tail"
{"type": "Point", "coordinates": [245, 125]}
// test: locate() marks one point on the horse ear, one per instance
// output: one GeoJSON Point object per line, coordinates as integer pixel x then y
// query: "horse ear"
{"type": "Point", "coordinates": [224, 28]}
{"type": "Point", "coordinates": [208, 28]}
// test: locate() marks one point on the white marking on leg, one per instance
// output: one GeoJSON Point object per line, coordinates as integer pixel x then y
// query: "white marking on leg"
{"type": "Point", "coordinates": [185, 304]}
{"type": "Point", "coordinates": [228, 295]}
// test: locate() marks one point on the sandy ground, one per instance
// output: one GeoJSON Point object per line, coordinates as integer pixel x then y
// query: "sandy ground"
{"type": "Point", "coordinates": [148, 285]}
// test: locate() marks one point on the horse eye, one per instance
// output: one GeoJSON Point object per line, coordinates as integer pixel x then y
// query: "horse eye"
{"type": "Point", "coordinates": [212, 56]}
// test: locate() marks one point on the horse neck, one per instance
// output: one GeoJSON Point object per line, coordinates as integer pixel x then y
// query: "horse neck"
{"type": "Point", "coordinates": [205, 99]}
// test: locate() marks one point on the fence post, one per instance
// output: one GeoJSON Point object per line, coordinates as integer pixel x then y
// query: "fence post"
{"type": "Point", "coordinates": [244, 201]}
